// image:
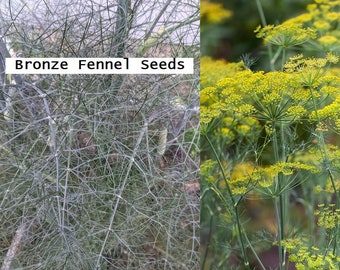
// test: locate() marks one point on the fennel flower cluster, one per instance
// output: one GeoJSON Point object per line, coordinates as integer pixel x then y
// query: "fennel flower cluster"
{"type": "Point", "coordinates": [245, 108]}
{"type": "Point", "coordinates": [309, 258]}
{"type": "Point", "coordinates": [318, 26]}
{"type": "Point", "coordinates": [270, 132]}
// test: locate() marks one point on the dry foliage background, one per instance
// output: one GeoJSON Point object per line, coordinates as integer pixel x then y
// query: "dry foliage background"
{"type": "Point", "coordinates": [99, 171]}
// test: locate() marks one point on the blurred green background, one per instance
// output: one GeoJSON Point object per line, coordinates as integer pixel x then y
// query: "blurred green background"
{"type": "Point", "coordinates": [232, 37]}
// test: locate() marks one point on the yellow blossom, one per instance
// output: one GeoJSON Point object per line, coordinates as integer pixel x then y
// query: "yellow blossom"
{"type": "Point", "coordinates": [330, 90]}
{"type": "Point", "coordinates": [241, 171]}
{"type": "Point", "coordinates": [245, 109]}
{"type": "Point", "coordinates": [332, 16]}
{"type": "Point", "coordinates": [214, 70]}
{"type": "Point", "coordinates": [207, 94]}
{"type": "Point", "coordinates": [213, 12]}
{"type": "Point", "coordinates": [243, 129]}
{"type": "Point", "coordinates": [306, 257]}
{"type": "Point", "coordinates": [296, 111]}
{"type": "Point", "coordinates": [327, 40]}
{"type": "Point", "coordinates": [227, 134]}
{"type": "Point", "coordinates": [285, 34]}
{"type": "Point", "coordinates": [301, 94]}
{"type": "Point", "coordinates": [332, 58]}
{"type": "Point", "coordinates": [271, 98]}
{"type": "Point", "coordinates": [329, 186]}
{"type": "Point", "coordinates": [328, 217]}
{"type": "Point", "coordinates": [321, 25]}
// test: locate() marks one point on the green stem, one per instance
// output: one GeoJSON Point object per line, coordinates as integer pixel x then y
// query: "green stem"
{"type": "Point", "coordinates": [254, 252]}
{"type": "Point", "coordinates": [279, 155]}
{"type": "Point", "coordinates": [233, 202]}
{"type": "Point", "coordinates": [205, 256]}
{"type": "Point", "coordinates": [234, 206]}
{"type": "Point", "coordinates": [283, 58]}
{"type": "Point", "coordinates": [276, 56]}
{"type": "Point", "coordinates": [323, 149]}
{"type": "Point", "coordinates": [264, 23]}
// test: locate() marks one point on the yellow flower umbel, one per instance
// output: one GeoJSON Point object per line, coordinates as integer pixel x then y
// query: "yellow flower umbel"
{"type": "Point", "coordinates": [309, 258]}
{"type": "Point", "coordinates": [328, 217]}
{"type": "Point", "coordinates": [322, 18]}
{"type": "Point", "coordinates": [214, 70]}
{"type": "Point", "coordinates": [240, 178]}
{"type": "Point", "coordinates": [268, 132]}
{"type": "Point", "coordinates": [285, 35]}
